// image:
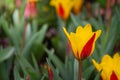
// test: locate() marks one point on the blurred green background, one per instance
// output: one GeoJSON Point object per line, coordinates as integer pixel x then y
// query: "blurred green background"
{"type": "Point", "coordinates": [29, 47]}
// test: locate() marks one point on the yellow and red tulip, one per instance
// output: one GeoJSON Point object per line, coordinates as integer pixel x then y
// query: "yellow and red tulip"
{"type": "Point", "coordinates": [109, 67]}
{"type": "Point", "coordinates": [63, 7]}
{"type": "Point", "coordinates": [30, 9]}
{"type": "Point", "coordinates": [83, 41]}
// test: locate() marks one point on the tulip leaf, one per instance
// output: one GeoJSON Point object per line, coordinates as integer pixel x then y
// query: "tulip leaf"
{"type": "Point", "coordinates": [55, 73]}
{"type": "Point", "coordinates": [6, 53]}
{"type": "Point", "coordinates": [74, 20]}
{"type": "Point", "coordinates": [35, 64]}
{"type": "Point", "coordinates": [4, 75]}
{"type": "Point", "coordinates": [28, 32]}
{"type": "Point", "coordinates": [16, 74]}
{"type": "Point", "coordinates": [101, 22]}
{"type": "Point", "coordinates": [87, 73]}
{"type": "Point", "coordinates": [69, 68]}
{"type": "Point", "coordinates": [27, 68]}
{"type": "Point", "coordinates": [94, 23]}
{"type": "Point", "coordinates": [112, 34]}
{"type": "Point", "coordinates": [97, 77]}
{"type": "Point", "coordinates": [56, 61]}
{"type": "Point", "coordinates": [37, 37]}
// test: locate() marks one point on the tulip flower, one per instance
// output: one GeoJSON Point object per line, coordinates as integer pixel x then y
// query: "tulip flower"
{"type": "Point", "coordinates": [30, 9]}
{"type": "Point", "coordinates": [77, 6]}
{"type": "Point", "coordinates": [109, 67]}
{"type": "Point", "coordinates": [63, 7]}
{"type": "Point", "coordinates": [83, 41]}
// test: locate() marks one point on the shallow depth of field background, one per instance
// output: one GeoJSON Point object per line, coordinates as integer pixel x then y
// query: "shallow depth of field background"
{"type": "Point", "coordinates": [36, 48]}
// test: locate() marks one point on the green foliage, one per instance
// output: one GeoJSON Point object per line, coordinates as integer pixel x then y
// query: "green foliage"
{"type": "Point", "coordinates": [6, 53]}
{"type": "Point", "coordinates": [24, 40]}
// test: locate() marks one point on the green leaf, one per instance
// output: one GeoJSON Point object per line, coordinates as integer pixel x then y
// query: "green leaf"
{"type": "Point", "coordinates": [28, 32]}
{"type": "Point", "coordinates": [56, 61]}
{"type": "Point", "coordinates": [4, 24]}
{"type": "Point", "coordinates": [41, 34]}
{"type": "Point", "coordinates": [56, 75]}
{"type": "Point", "coordinates": [35, 64]}
{"type": "Point", "coordinates": [16, 74]}
{"type": "Point", "coordinates": [75, 70]}
{"type": "Point", "coordinates": [87, 73]}
{"type": "Point", "coordinates": [27, 68]}
{"type": "Point", "coordinates": [37, 37]}
{"type": "Point", "coordinates": [15, 37]}
{"type": "Point", "coordinates": [97, 76]}
{"type": "Point", "coordinates": [94, 23]}
{"type": "Point", "coordinates": [25, 64]}
{"type": "Point", "coordinates": [74, 20]}
{"type": "Point", "coordinates": [101, 22]}
{"type": "Point", "coordinates": [4, 72]}
{"type": "Point", "coordinates": [6, 53]}
{"type": "Point", "coordinates": [112, 37]}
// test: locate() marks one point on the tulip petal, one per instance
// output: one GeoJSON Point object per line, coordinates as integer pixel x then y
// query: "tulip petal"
{"type": "Point", "coordinates": [113, 76]}
{"type": "Point", "coordinates": [66, 33]}
{"type": "Point", "coordinates": [72, 40]}
{"type": "Point", "coordinates": [78, 5]}
{"type": "Point", "coordinates": [87, 48]}
{"type": "Point", "coordinates": [98, 67]}
{"type": "Point", "coordinates": [81, 31]}
{"type": "Point", "coordinates": [74, 44]}
{"type": "Point", "coordinates": [61, 10]}
{"type": "Point", "coordinates": [98, 33]}
{"type": "Point", "coordinates": [116, 56]}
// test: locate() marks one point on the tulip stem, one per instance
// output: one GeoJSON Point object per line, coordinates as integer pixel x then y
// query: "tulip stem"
{"type": "Point", "coordinates": [80, 70]}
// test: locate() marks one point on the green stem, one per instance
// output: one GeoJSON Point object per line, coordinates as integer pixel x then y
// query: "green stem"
{"type": "Point", "coordinates": [80, 71]}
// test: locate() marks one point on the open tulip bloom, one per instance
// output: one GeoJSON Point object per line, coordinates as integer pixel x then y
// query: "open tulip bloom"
{"type": "Point", "coordinates": [109, 67]}
{"type": "Point", "coordinates": [83, 41]}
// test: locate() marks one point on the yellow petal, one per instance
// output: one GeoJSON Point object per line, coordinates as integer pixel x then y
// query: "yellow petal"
{"type": "Point", "coordinates": [77, 6]}
{"type": "Point", "coordinates": [88, 28]}
{"type": "Point", "coordinates": [116, 56]}
{"type": "Point", "coordinates": [106, 58]}
{"type": "Point", "coordinates": [72, 40]}
{"type": "Point", "coordinates": [74, 44]}
{"type": "Point", "coordinates": [97, 66]}
{"type": "Point", "coordinates": [54, 2]}
{"type": "Point", "coordinates": [98, 33]}
{"type": "Point", "coordinates": [104, 76]}
{"type": "Point", "coordinates": [66, 33]}
{"type": "Point", "coordinates": [79, 29]}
